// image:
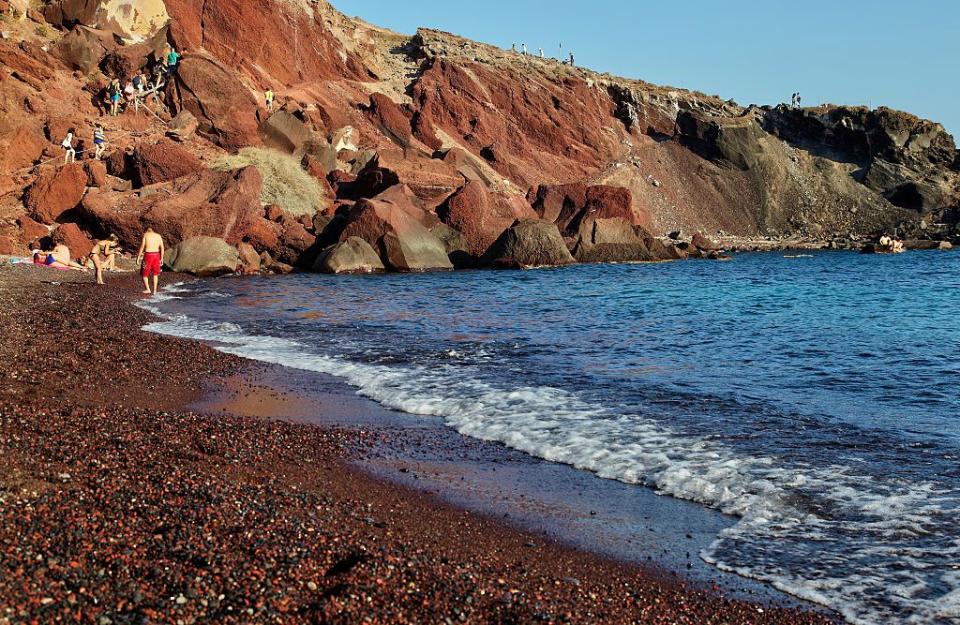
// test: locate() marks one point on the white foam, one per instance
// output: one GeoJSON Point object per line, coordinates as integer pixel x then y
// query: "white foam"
{"type": "Point", "coordinates": [890, 586]}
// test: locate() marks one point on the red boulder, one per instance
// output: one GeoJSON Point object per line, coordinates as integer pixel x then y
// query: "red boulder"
{"type": "Point", "coordinates": [56, 191]}
{"type": "Point", "coordinates": [162, 162]}
{"type": "Point", "coordinates": [225, 110]}
{"type": "Point", "coordinates": [74, 238]}
{"type": "Point", "coordinates": [390, 118]}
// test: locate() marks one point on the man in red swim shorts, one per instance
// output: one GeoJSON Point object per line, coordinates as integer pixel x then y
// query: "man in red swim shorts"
{"type": "Point", "coordinates": [151, 253]}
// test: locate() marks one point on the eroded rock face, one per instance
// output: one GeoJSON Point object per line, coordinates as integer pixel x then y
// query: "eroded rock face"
{"type": "Point", "coordinates": [403, 243]}
{"type": "Point", "coordinates": [203, 256]}
{"type": "Point", "coordinates": [56, 191]}
{"type": "Point", "coordinates": [354, 255]}
{"type": "Point", "coordinates": [135, 20]}
{"type": "Point", "coordinates": [529, 243]}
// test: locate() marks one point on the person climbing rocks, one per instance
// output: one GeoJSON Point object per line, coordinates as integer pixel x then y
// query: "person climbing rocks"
{"type": "Point", "coordinates": [269, 96]}
{"type": "Point", "coordinates": [157, 83]}
{"type": "Point", "coordinates": [114, 92]}
{"type": "Point", "coordinates": [70, 154]}
{"type": "Point", "coordinates": [151, 253]}
{"type": "Point", "coordinates": [130, 93]}
{"type": "Point", "coordinates": [99, 141]}
{"type": "Point", "coordinates": [137, 81]}
{"type": "Point", "coordinates": [173, 58]}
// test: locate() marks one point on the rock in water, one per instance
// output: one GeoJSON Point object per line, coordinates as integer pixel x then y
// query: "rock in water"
{"type": "Point", "coordinates": [610, 241]}
{"type": "Point", "coordinates": [203, 256]}
{"type": "Point", "coordinates": [529, 243]}
{"type": "Point", "coordinates": [353, 255]}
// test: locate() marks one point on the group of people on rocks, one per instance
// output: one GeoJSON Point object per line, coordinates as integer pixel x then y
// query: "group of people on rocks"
{"type": "Point", "coordinates": [70, 151]}
{"type": "Point", "coordinates": [143, 85]}
{"type": "Point", "coordinates": [795, 100]}
{"type": "Point", "coordinates": [103, 256]}
{"type": "Point", "coordinates": [891, 245]}
{"type": "Point", "coordinates": [570, 60]}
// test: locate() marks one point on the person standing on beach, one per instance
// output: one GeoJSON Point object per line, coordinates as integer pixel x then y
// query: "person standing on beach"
{"type": "Point", "coordinates": [151, 253]}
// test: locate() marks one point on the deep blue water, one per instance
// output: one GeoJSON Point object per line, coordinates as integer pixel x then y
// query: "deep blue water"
{"type": "Point", "coordinates": [815, 398]}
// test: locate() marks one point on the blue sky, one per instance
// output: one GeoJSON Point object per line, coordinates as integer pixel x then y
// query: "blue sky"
{"type": "Point", "coordinates": [903, 54]}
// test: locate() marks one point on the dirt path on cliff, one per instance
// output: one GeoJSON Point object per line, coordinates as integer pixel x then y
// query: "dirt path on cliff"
{"type": "Point", "coordinates": [117, 506]}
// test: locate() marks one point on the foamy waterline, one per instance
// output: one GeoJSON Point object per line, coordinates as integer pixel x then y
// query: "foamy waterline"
{"type": "Point", "coordinates": [769, 499]}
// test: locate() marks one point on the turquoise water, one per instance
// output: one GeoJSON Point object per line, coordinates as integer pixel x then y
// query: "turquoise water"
{"type": "Point", "coordinates": [814, 398]}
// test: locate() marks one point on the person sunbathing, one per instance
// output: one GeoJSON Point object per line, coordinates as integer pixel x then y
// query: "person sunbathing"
{"type": "Point", "coordinates": [47, 259]}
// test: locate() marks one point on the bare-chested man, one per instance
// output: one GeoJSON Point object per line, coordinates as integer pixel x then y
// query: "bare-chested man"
{"type": "Point", "coordinates": [151, 252]}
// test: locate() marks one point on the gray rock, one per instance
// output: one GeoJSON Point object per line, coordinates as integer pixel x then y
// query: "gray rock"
{"type": "Point", "coordinates": [354, 255]}
{"type": "Point", "coordinates": [610, 241]}
{"type": "Point", "coordinates": [529, 243]}
{"type": "Point", "coordinates": [203, 256]}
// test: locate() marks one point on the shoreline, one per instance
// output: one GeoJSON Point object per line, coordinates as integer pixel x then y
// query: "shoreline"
{"type": "Point", "coordinates": [226, 518]}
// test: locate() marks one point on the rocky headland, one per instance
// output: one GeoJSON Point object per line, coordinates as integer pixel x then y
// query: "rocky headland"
{"type": "Point", "coordinates": [425, 152]}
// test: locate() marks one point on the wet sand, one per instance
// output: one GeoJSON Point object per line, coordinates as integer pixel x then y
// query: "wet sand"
{"type": "Point", "coordinates": [120, 504]}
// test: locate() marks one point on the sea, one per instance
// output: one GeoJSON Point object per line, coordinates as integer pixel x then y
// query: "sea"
{"type": "Point", "coordinates": [813, 397]}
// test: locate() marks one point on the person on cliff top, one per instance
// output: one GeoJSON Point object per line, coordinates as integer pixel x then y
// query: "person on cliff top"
{"type": "Point", "coordinates": [99, 141]}
{"type": "Point", "coordinates": [573, 61]}
{"type": "Point", "coordinates": [523, 47]}
{"type": "Point", "coordinates": [541, 53]}
{"type": "Point", "coordinates": [269, 96]}
{"type": "Point", "coordinates": [105, 249]}
{"type": "Point", "coordinates": [70, 154]}
{"type": "Point", "coordinates": [151, 253]}
{"type": "Point", "coordinates": [172, 59]}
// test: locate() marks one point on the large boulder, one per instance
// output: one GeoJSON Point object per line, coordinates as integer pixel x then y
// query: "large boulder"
{"type": "Point", "coordinates": [283, 131]}
{"type": "Point", "coordinates": [224, 108]}
{"type": "Point", "coordinates": [354, 255]}
{"type": "Point", "coordinates": [431, 180]}
{"type": "Point", "coordinates": [31, 231]}
{"type": "Point", "coordinates": [297, 246]}
{"type": "Point", "coordinates": [610, 241]}
{"type": "Point", "coordinates": [482, 216]}
{"type": "Point", "coordinates": [182, 127]}
{"type": "Point", "coordinates": [74, 238]}
{"type": "Point", "coordinates": [390, 118]}
{"type": "Point", "coordinates": [162, 162]}
{"type": "Point", "coordinates": [56, 191]}
{"type": "Point", "coordinates": [20, 147]}
{"type": "Point", "coordinates": [203, 256]}
{"type": "Point", "coordinates": [83, 48]}
{"type": "Point", "coordinates": [569, 205]}
{"type": "Point", "coordinates": [529, 243]}
{"type": "Point", "coordinates": [206, 203]}
{"type": "Point", "coordinates": [458, 250]}
{"type": "Point", "coordinates": [404, 244]}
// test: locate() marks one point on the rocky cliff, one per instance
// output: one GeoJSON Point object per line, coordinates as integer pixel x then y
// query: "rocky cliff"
{"type": "Point", "coordinates": [432, 149]}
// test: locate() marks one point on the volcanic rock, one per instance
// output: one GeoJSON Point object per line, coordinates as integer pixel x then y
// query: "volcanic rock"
{"type": "Point", "coordinates": [182, 127]}
{"type": "Point", "coordinates": [206, 203]}
{"type": "Point", "coordinates": [162, 162]}
{"type": "Point", "coordinates": [705, 244]}
{"type": "Point", "coordinates": [74, 238]}
{"type": "Point", "coordinates": [404, 244]}
{"type": "Point", "coordinates": [390, 118]}
{"type": "Point", "coordinates": [529, 243]}
{"type": "Point", "coordinates": [482, 217]}
{"type": "Point", "coordinates": [353, 255]}
{"type": "Point", "coordinates": [56, 191]}
{"type": "Point", "coordinates": [203, 256]}
{"type": "Point", "coordinates": [224, 108]}
{"type": "Point", "coordinates": [283, 131]}
{"type": "Point", "coordinates": [249, 258]}
{"type": "Point", "coordinates": [83, 48]}
{"type": "Point", "coordinates": [20, 148]}
{"type": "Point", "coordinates": [609, 241]}
{"type": "Point", "coordinates": [31, 231]}
{"type": "Point", "coordinates": [135, 20]}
